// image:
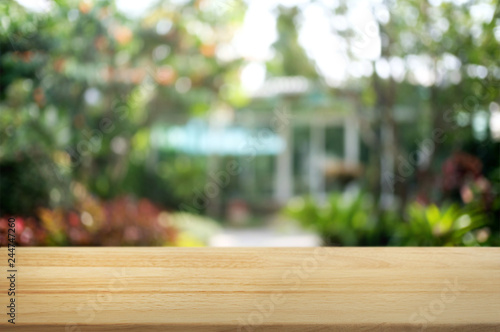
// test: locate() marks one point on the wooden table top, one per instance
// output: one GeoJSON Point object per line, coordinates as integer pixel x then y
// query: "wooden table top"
{"type": "Point", "coordinates": [252, 289]}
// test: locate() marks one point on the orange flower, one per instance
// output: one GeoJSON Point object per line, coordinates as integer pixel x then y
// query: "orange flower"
{"type": "Point", "coordinates": [52, 220]}
{"type": "Point", "coordinates": [207, 50]}
{"type": "Point", "coordinates": [85, 7]}
{"type": "Point", "coordinates": [59, 64]}
{"type": "Point", "coordinates": [23, 56]}
{"type": "Point", "coordinates": [123, 35]}
{"type": "Point", "coordinates": [39, 97]}
{"type": "Point", "coordinates": [165, 75]}
{"type": "Point", "coordinates": [137, 75]}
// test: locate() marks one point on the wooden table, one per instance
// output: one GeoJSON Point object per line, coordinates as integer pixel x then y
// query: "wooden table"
{"type": "Point", "coordinates": [253, 289]}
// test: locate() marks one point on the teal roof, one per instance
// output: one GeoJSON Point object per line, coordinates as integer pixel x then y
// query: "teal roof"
{"type": "Point", "coordinates": [197, 138]}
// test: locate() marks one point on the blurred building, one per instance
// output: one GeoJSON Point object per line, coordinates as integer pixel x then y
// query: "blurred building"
{"type": "Point", "coordinates": [292, 139]}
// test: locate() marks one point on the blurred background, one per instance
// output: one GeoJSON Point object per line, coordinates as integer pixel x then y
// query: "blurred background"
{"type": "Point", "coordinates": [250, 123]}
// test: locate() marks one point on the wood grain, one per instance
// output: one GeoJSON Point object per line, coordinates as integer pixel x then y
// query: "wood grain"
{"type": "Point", "coordinates": [254, 289]}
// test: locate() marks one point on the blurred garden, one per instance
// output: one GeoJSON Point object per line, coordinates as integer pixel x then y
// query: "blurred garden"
{"type": "Point", "coordinates": [367, 123]}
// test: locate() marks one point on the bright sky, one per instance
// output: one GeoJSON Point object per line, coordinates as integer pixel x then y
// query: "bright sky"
{"type": "Point", "coordinates": [259, 32]}
{"type": "Point", "coordinates": [254, 40]}
{"type": "Point", "coordinates": [329, 51]}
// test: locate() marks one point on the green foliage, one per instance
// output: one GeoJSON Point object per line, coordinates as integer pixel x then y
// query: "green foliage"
{"type": "Point", "coordinates": [81, 86]}
{"type": "Point", "coordinates": [352, 221]}
{"type": "Point", "coordinates": [344, 220]}
{"type": "Point", "coordinates": [446, 226]}
{"type": "Point", "coordinates": [19, 183]}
